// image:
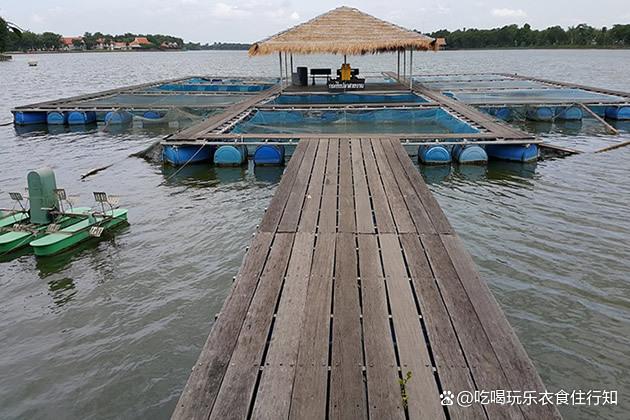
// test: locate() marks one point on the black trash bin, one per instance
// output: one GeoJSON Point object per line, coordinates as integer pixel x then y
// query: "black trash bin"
{"type": "Point", "coordinates": [302, 73]}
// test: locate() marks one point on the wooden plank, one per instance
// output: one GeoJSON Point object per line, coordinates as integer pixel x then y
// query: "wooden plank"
{"type": "Point", "coordinates": [238, 383]}
{"type": "Point", "coordinates": [609, 127]}
{"type": "Point", "coordinates": [519, 369]}
{"type": "Point", "coordinates": [346, 191]}
{"type": "Point", "coordinates": [414, 205]}
{"type": "Point", "coordinates": [202, 387]}
{"type": "Point", "coordinates": [363, 208]}
{"type": "Point", "coordinates": [274, 212]}
{"type": "Point", "coordinates": [450, 362]}
{"type": "Point", "coordinates": [384, 396]}
{"type": "Point", "coordinates": [295, 202]}
{"type": "Point", "coordinates": [347, 388]}
{"type": "Point", "coordinates": [310, 213]}
{"type": "Point", "coordinates": [437, 216]}
{"type": "Point", "coordinates": [328, 211]}
{"type": "Point", "coordinates": [397, 204]}
{"type": "Point", "coordinates": [382, 212]}
{"type": "Point", "coordinates": [311, 380]}
{"type": "Point", "coordinates": [613, 146]}
{"type": "Point", "coordinates": [422, 389]}
{"type": "Point", "coordinates": [274, 392]}
{"type": "Point", "coordinates": [483, 362]}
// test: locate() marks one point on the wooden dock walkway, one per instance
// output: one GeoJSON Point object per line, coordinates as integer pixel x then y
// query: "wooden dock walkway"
{"type": "Point", "coordinates": [354, 279]}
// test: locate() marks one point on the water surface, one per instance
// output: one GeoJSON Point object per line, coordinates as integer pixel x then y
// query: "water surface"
{"type": "Point", "coordinates": [112, 329]}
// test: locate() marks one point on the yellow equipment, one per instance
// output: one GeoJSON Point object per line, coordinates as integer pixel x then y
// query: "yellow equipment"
{"type": "Point", "coordinates": [346, 73]}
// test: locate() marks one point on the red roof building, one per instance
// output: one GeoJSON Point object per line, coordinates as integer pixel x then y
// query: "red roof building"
{"type": "Point", "coordinates": [139, 42]}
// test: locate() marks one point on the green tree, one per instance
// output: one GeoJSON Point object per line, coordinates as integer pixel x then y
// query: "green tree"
{"type": "Point", "coordinates": [7, 29]}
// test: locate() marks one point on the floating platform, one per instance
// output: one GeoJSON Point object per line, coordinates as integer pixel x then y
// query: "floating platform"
{"type": "Point", "coordinates": [354, 284]}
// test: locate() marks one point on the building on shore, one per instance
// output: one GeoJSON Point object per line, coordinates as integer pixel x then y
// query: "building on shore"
{"type": "Point", "coordinates": [70, 43]}
{"type": "Point", "coordinates": [140, 42]}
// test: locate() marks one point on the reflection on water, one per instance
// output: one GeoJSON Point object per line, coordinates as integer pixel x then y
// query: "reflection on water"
{"type": "Point", "coordinates": [498, 169]}
{"type": "Point", "coordinates": [268, 174]}
{"type": "Point", "coordinates": [206, 174]}
{"type": "Point", "coordinates": [434, 174]}
{"type": "Point", "coordinates": [62, 290]}
{"type": "Point", "coordinates": [470, 172]}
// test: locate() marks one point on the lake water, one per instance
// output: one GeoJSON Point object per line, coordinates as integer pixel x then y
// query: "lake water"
{"type": "Point", "coordinates": [113, 329]}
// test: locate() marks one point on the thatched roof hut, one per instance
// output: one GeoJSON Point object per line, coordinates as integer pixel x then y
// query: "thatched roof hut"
{"type": "Point", "coordinates": [344, 30]}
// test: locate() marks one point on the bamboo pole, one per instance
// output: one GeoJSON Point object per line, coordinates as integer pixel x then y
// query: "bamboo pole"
{"type": "Point", "coordinates": [614, 146]}
{"type": "Point", "coordinates": [281, 80]}
{"type": "Point", "coordinates": [411, 69]}
{"type": "Point", "coordinates": [287, 75]}
{"type": "Point", "coordinates": [404, 64]}
{"type": "Point", "coordinates": [398, 65]}
{"type": "Point", "coordinates": [609, 127]}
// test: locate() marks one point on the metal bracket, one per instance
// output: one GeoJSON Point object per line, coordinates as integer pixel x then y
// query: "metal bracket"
{"type": "Point", "coordinates": [96, 231]}
{"type": "Point", "coordinates": [52, 228]}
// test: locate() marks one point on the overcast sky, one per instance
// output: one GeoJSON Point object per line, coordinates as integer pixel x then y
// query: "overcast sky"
{"type": "Point", "coordinates": [251, 20]}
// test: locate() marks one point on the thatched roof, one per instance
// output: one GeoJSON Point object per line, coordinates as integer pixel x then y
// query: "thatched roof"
{"type": "Point", "coordinates": [344, 30]}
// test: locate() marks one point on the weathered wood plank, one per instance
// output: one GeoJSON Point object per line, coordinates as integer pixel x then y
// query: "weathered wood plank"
{"type": "Point", "coordinates": [347, 388]}
{"type": "Point", "coordinates": [401, 215]}
{"type": "Point", "coordinates": [384, 396]}
{"type": "Point", "coordinates": [203, 384]}
{"type": "Point", "coordinates": [295, 202]}
{"type": "Point", "coordinates": [346, 190]}
{"type": "Point", "coordinates": [311, 381]}
{"type": "Point", "coordinates": [363, 208]}
{"type": "Point", "coordinates": [437, 216]}
{"type": "Point", "coordinates": [449, 360]}
{"type": "Point", "coordinates": [519, 369]}
{"type": "Point", "coordinates": [422, 389]}
{"type": "Point", "coordinates": [414, 204]}
{"type": "Point", "coordinates": [310, 213]}
{"type": "Point", "coordinates": [275, 209]}
{"type": "Point", "coordinates": [328, 211]}
{"type": "Point", "coordinates": [274, 391]}
{"type": "Point", "coordinates": [486, 369]}
{"type": "Point", "coordinates": [238, 383]}
{"type": "Point", "coordinates": [382, 212]}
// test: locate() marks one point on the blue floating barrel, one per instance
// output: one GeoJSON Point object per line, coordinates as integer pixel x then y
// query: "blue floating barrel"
{"type": "Point", "coordinates": [269, 154]}
{"type": "Point", "coordinates": [543, 113]}
{"type": "Point", "coordinates": [516, 153]}
{"type": "Point", "coordinates": [618, 112]}
{"type": "Point", "coordinates": [57, 118]}
{"type": "Point", "coordinates": [503, 113]}
{"type": "Point", "coordinates": [569, 113]}
{"type": "Point", "coordinates": [81, 117]}
{"type": "Point", "coordinates": [180, 155]}
{"type": "Point", "coordinates": [434, 155]}
{"type": "Point", "coordinates": [118, 117]}
{"type": "Point", "coordinates": [26, 118]}
{"type": "Point", "coordinates": [469, 153]}
{"type": "Point", "coordinates": [152, 115]}
{"type": "Point", "coordinates": [229, 155]}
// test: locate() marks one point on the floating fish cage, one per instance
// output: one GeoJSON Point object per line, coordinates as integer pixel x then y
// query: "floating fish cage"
{"type": "Point", "coordinates": [256, 119]}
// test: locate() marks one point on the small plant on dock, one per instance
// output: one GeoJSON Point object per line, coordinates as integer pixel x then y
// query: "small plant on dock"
{"type": "Point", "coordinates": [403, 389]}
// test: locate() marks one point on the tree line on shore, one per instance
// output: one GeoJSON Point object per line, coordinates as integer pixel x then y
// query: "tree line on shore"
{"type": "Point", "coordinates": [513, 36]}
{"type": "Point", "coordinates": [509, 36]}
{"type": "Point", "coordinates": [50, 41]}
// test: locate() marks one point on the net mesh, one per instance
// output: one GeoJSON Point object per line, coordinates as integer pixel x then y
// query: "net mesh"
{"type": "Point", "coordinates": [155, 100]}
{"type": "Point", "coordinates": [433, 120]}
{"type": "Point", "coordinates": [483, 84]}
{"type": "Point", "coordinates": [533, 96]}
{"type": "Point", "coordinates": [347, 98]}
